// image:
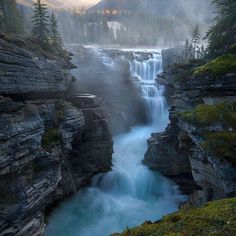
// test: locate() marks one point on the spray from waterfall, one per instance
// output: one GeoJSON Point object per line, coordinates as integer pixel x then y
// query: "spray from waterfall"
{"type": "Point", "coordinates": [130, 194]}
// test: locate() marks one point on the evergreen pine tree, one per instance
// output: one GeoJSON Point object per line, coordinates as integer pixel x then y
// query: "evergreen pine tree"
{"type": "Point", "coordinates": [223, 34]}
{"type": "Point", "coordinates": [40, 23]}
{"type": "Point", "coordinates": [54, 34]}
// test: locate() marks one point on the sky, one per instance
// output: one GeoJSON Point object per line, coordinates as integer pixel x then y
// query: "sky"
{"type": "Point", "coordinates": [63, 3]}
{"type": "Point", "coordinates": [82, 2]}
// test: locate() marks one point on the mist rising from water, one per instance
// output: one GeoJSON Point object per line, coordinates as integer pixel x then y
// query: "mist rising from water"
{"type": "Point", "coordinates": [130, 194]}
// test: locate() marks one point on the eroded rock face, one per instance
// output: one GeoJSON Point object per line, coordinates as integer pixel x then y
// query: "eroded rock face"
{"type": "Point", "coordinates": [91, 149]}
{"type": "Point", "coordinates": [106, 73]}
{"type": "Point", "coordinates": [29, 174]}
{"type": "Point", "coordinates": [215, 175]}
{"type": "Point", "coordinates": [26, 73]}
{"type": "Point", "coordinates": [168, 153]}
{"type": "Point", "coordinates": [50, 146]}
{"type": "Point", "coordinates": [49, 149]}
{"type": "Point", "coordinates": [178, 153]}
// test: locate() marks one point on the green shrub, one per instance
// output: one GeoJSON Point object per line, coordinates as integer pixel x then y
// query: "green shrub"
{"type": "Point", "coordinates": [207, 115]}
{"type": "Point", "coordinates": [50, 138]}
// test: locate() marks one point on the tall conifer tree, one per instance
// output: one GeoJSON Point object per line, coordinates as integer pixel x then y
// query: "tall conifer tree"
{"type": "Point", "coordinates": [40, 23]}
{"type": "Point", "coordinates": [223, 34]}
{"type": "Point", "coordinates": [54, 34]}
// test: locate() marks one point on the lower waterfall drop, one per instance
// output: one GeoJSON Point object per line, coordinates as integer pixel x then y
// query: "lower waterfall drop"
{"type": "Point", "coordinates": [130, 194]}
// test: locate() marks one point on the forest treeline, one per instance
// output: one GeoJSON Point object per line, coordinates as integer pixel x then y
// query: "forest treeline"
{"type": "Point", "coordinates": [121, 27]}
{"type": "Point", "coordinates": [44, 25]}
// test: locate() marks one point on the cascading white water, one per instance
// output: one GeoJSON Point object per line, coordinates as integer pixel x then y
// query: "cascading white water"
{"type": "Point", "coordinates": [130, 193]}
{"type": "Point", "coordinates": [145, 72]}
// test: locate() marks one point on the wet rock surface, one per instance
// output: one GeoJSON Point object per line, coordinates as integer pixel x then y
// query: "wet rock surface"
{"type": "Point", "coordinates": [179, 152]}
{"type": "Point", "coordinates": [106, 73]}
{"type": "Point", "coordinates": [51, 145]}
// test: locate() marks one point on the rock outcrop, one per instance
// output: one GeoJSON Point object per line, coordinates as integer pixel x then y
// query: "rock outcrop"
{"type": "Point", "coordinates": [24, 72]}
{"type": "Point", "coordinates": [197, 150]}
{"type": "Point", "coordinates": [168, 153]}
{"type": "Point", "coordinates": [109, 78]}
{"type": "Point", "coordinates": [51, 145]}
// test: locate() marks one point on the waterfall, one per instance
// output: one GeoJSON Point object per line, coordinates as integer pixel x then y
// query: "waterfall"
{"type": "Point", "coordinates": [130, 194]}
{"type": "Point", "coordinates": [144, 71]}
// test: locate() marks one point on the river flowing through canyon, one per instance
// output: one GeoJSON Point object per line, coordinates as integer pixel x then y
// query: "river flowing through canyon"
{"type": "Point", "coordinates": [130, 194]}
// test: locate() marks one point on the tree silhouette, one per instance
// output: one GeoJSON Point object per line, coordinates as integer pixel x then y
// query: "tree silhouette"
{"type": "Point", "coordinates": [40, 23]}
{"type": "Point", "coordinates": [54, 34]}
{"type": "Point", "coordinates": [223, 34]}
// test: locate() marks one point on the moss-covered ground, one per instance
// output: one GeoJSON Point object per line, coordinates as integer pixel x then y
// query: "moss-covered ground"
{"type": "Point", "coordinates": [208, 115]}
{"type": "Point", "coordinates": [220, 66]}
{"type": "Point", "coordinates": [216, 218]}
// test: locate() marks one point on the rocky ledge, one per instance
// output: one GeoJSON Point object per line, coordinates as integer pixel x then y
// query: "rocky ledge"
{"type": "Point", "coordinates": [197, 150]}
{"type": "Point", "coordinates": [51, 145]}
{"type": "Point", "coordinates": [49, 150]}
{"type": "Point", "coordinates": [26, 71]}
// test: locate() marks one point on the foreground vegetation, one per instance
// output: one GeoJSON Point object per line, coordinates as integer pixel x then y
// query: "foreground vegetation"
{"type": "Point", "coordinates": [216, 126]}
{"type": "Point", "coordinates": [214, 219]}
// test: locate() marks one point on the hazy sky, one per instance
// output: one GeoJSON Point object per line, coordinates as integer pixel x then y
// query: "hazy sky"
{"type": "Point", "coordinates": [89, 1]}
{"type": "Point", "coordinates": [63, 3]}
{"type": "Point", "coordinates": [82, 2]}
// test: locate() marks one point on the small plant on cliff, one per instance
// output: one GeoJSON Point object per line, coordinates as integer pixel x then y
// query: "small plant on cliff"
{"type": "Point", "coordinates": [40, 23]}
{"type": "Point", "coordinates": [51, 137]}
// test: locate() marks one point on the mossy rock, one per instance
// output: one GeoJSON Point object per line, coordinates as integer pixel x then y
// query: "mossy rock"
{"type": "Point", "coordinates": [51, 137]}
{"type": "Point", "coordinates": [221, 144]}
{"type": "Point", "coordinates": [208, 115]}
{"type": "Point", "coordinates": [220, 66]}
{"type": "Point", "coordinates": [216, 218]}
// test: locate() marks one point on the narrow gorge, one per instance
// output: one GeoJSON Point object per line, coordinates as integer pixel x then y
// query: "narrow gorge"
{"type": "Point", "coordinates": [117, 118]}
{"type": "Point", "coordinates": [130, 193]}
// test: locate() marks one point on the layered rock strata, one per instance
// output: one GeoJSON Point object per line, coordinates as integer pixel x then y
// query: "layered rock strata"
{"type": "Point", "coordinates": [51, 145]}
{"type": "Point", "coordinates": [197, 148]}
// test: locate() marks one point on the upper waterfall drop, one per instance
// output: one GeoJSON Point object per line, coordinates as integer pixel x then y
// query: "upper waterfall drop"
{"type": "Point", "coordinates": [145, 70]}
